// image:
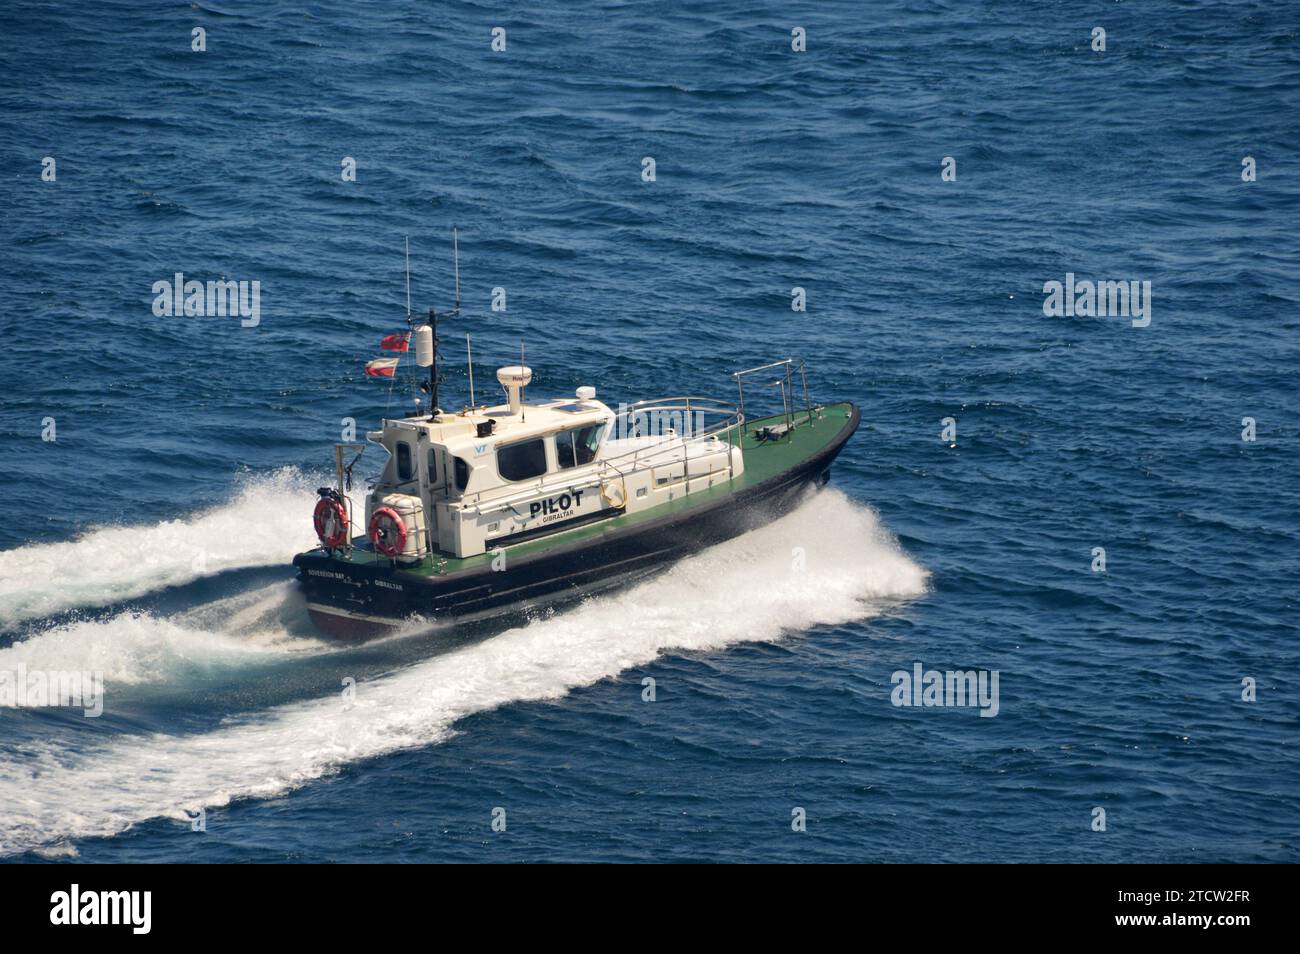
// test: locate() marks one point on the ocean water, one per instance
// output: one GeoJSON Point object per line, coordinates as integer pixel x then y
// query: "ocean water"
{"type": "Point", "coordinates": [150, 540]}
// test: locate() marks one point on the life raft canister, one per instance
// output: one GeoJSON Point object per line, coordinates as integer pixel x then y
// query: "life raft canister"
{"type": "Point", "coordinates": [331, 519]}
{"type": "Point", "coordinates": [388, 531]}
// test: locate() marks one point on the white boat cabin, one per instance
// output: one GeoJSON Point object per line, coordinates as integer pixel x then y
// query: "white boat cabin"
{"type": "Point", "coordinates": [488, 477]}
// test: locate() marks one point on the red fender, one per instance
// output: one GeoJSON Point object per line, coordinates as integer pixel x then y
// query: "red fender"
{"type": "Point", "coordinates": [330, 516]}
{"type": "Point", "coordinates": [379, 535]}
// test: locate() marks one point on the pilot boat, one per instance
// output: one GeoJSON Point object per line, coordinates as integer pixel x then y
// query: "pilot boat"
{"type": "Point", "coordinates": [520, 505]}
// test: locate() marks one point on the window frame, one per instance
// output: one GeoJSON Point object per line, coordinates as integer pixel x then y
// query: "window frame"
{"type": "Point", "coordinates": [404, 474]}
{"type": "Point", "coordinates": [546, 462]}
{"type": "Point", "coordinates": [573, 445]}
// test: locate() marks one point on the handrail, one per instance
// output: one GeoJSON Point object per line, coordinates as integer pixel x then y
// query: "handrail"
{"type": "Point", "coordinates": [682, 397]}
{"type": "Point", "coordinates": [493, 499]}
{"type": "Point", "coordinates": [507, 501]}
{"type": "Point", "coordinates": [786, 385]}
{"type": "Point", "coordinates": [763, 367]}
{"type": "Point", "coordinates": [731, 416]}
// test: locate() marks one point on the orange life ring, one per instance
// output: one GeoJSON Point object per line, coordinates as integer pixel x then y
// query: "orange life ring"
{"type": "Point", "coordinates": [331, 519]}
{"type": "Point", "coordinates": [379, 535]}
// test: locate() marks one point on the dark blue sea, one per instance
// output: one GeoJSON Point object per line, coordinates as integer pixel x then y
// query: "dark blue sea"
{"type": "Point", "coordinates": [151, 538]}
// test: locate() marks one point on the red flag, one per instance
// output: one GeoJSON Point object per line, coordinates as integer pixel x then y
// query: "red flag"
{"type": "Point", "coordinates": [382, 367]}
{"type": "Point", "coordinates": [395, 342]}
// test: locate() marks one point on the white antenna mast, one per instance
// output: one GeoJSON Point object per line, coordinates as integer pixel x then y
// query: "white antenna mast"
{"type": "Point", "coordinates": [408, 279]}
{"type": "Point", "coordinates": [469, 353]}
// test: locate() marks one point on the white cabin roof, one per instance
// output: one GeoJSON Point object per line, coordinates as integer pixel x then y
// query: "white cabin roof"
{"type": "Point", "coordinates": [458, 432]}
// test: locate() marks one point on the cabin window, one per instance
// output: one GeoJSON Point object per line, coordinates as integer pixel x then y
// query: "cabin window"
{"type": "Point", "coordinates": [404, 471]}
{"type": "Point", "coordinates": [578, 446]}
{"type": "Point", "coordinates": [462, 473]}
{"type": "Point", "coordinates": [433, 466]}
{"type": "Point", "coordinates": [522, 460]}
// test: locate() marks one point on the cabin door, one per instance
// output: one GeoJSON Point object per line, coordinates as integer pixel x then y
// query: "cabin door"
{"type": "Point", "coordinates": [434, 487]}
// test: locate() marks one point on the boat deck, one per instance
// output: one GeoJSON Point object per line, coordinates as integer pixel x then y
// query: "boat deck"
{"type": "Point", "coordinates": [764, 459]}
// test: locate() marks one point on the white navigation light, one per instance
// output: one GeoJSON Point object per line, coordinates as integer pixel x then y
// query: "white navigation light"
{"type": "Point", "coordinates": [424, 346]}
{"type": "Point", "coordinates": [586, 394]}
{"type": "Point", "coordinates": [514, 379]}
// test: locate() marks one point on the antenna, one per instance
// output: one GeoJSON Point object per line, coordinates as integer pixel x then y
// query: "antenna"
{"type": "Point", "coordinates": [433, 364]}
{"type": "Point", "coordinates": [469, 354]}
{"type": "Point", "coordinates": [408, 280]}
{"type": "Point", "coordinates": [429, 348]}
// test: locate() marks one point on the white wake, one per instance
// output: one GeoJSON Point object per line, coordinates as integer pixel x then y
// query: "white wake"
{"type": "Point", "coordinates": [267, 522]}
{"type": "Point", "coordinates": [133, 648]}
{"type": "Point", "coordinates": [751, 588]}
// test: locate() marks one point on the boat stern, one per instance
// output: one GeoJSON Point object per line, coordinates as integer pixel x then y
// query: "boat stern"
{"type": "Point", "coordinates": [345, 600]}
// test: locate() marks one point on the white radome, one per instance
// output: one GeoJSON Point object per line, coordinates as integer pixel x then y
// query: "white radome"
{"type": "Point", "coordinates": [514, 379]}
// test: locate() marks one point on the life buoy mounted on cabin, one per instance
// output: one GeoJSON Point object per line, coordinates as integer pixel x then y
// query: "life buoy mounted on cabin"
{"type": "Point", "coordinates": [613, 493]}
{"type": "Point", "coordinates": [388, 531]}
{"type": "Point", "coordinates": [331, 520]}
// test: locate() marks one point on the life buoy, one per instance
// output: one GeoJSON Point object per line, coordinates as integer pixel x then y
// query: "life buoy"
{"type": "Point", "coordinates": [614, 494]}
{"type": "Point", "coordinates": [331, 520]}
{"type": "Point", "coordinates": [387, 526]}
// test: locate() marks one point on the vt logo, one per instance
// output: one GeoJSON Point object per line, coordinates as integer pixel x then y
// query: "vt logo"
{"type": "Point", "coordinates": [479, 448]}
